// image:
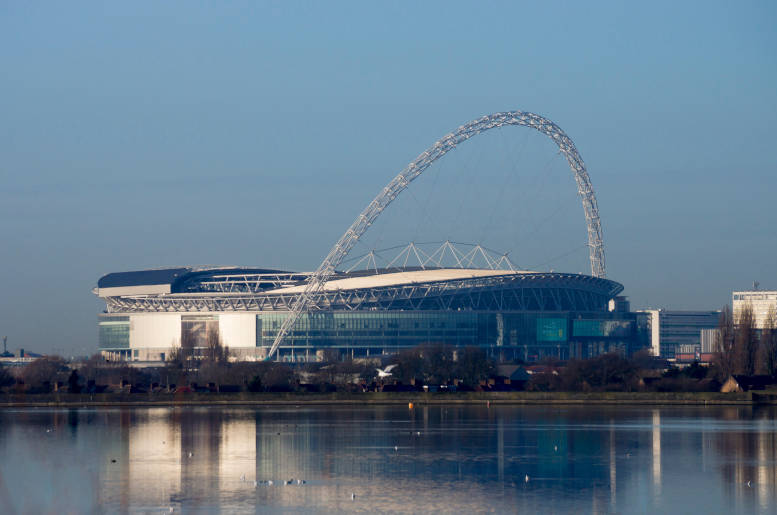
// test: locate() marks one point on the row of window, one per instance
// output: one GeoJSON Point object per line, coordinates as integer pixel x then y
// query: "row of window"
{"type": "Point", "coordinates": [114, 334]}
{"type": "Point", "coordinates": [756, 296]}
{"type": "Point", "coordinates": [400, 328]}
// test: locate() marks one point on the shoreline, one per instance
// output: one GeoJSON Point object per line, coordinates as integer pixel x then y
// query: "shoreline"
{"type": "Point", "coordinates": [66, 400]}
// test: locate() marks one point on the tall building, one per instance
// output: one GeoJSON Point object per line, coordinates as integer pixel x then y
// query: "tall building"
{"type": "Point", "coordinates": [672, 333]}
{"type": "Point", "coordinates": [762, 302]}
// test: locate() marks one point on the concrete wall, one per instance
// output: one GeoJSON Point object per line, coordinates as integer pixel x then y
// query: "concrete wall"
{"type": "Point", "coordinates": [155, 330]}
{"type": "Point", "coordinates": [238, 329]}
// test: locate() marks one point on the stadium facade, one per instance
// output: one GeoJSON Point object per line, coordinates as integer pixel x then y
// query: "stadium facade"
{"type": "Point", "coordinates": [510, 313]}
{"type": "Point", "coordinates": [292, 316]}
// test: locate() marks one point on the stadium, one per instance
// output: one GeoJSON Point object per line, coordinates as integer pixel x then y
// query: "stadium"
{"type": "Point", "coordinates": [452, 294]}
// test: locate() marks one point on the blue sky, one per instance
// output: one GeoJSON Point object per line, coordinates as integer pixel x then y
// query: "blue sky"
{"type": "Point", "coordinates": [139, 135]}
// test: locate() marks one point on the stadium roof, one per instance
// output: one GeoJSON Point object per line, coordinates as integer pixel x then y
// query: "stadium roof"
{"type": "Point", "coordinates": [403, 277]}
{"type": "Point", "coordinates": [164, 280]}
{"type": "Point", "coordinates": [198, 289]}
{"type": "Point", "coordinates": [142, 277]}
{"type": "Point", "coordinates": [175, 280]}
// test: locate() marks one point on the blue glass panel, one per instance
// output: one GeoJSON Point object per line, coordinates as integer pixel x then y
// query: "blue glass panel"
{"type": "Point", "coordinates": [551, 329]}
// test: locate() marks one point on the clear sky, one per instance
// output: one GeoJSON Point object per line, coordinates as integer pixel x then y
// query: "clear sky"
{"type": "Point", "coordinates": [147, 134]}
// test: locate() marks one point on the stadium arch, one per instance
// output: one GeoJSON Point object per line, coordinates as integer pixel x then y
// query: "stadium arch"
{"type": "Point", "coordinates": [413, 170]}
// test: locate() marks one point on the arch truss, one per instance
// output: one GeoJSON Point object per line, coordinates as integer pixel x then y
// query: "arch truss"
{"type": "Point", "coordinates": [446, 254]}
{"type": "Point", "coordinates": [363, 222]}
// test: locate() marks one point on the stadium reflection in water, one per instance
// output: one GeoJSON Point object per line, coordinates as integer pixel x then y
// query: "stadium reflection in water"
{"type": "Point", "coordinates": [431, 458]}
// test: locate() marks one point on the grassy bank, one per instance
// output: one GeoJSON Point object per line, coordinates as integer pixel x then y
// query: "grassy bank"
{"type": "Point", "coordinates": [419, 399]}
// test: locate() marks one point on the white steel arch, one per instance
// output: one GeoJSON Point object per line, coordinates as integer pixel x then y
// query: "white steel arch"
{"type": "Point", "coordinates": [424, 161]}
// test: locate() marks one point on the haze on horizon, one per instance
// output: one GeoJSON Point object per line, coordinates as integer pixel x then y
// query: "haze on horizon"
{"type": "Point", "coordinates": [139, 135]}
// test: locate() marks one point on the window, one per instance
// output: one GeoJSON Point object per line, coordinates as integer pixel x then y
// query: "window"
{"type": "Point", "coordinates": [196, 328]}
{"type": "Point", "coordinates": [551, 329]}
{"type": "Point", "coordinates": [113, 332]}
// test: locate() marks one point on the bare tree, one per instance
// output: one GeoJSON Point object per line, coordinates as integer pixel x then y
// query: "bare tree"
{"type": "Point", "coordinates": [272, 377]}
{"type": "Point", "coordinates": [725, 358]}
{"type": "Point", "coordinates": [44, 372]}
{"type": "Point", "coordinates": [176, 366]}
{"type": "Point", "coordinates": [187, 353]}
{"type": "Point", "coordinates": [214, 365]}
{"type": "Point", "coordinates": [410, 365]}
{"type": "Point", "coordinates": [188, 339]}
{"type": "Point", "coordinates": [473, 365]}
{"type": "Point", "coordinates": [6, 379]}
{"type": "Point", "coordinates": [330, 356]}
{"type": "Point", "coordinates": [432, 362]}
{"type": "Point", "coordinates": [215, 351]}
{"type": "Point", "coordinates": [97, 369]}
{"type": "Point", "coordinates": [769, 343]}
{"type": "Point", "coordinates": [746, 342]}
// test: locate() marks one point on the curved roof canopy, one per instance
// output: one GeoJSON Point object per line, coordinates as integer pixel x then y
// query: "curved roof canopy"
{"type": "Point", "coordinates": [166, 280]}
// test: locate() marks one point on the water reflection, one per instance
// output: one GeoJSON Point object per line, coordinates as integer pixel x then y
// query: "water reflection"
{"type": "Point", "coordinates": [441, 458]}
{"type": "Point", "coordinates": [748, 461]}
{"type": "Point", "coordinates": [655, 434]}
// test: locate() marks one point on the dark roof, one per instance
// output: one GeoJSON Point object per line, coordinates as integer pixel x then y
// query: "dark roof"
{"type": "Point", "coordinates": [141, 277]}
{"type": "Point", "coordinates": [513, 372]}
{"type": "Point", "coordinates": [174, 275]}
{"type": "Point", "coordinates": [193, 279]}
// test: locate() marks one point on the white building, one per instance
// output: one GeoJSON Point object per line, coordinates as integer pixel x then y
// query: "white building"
{"type": "Point", "coordinates": [761, 301]}
{"type": "Point", "coordinates": [676, 332]}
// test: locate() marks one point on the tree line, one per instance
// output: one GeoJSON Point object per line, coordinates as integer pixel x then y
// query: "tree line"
{"type": "Point", "coordinates": [614, 373]}
{"type": "Point", "coordinates": [210, 368]}
{"type": "Point", "coordinates": [741, 349]}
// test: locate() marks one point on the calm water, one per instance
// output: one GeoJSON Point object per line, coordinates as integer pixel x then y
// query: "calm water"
{"type": "Point", "coordinates": [447, 459]}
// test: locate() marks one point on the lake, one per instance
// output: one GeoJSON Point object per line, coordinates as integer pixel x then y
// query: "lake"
{"type": "Point", "coordinates": [441, 458]}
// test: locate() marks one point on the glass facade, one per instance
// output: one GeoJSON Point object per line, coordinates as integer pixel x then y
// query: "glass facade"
{"type": "Point", "coordinates": [526, 335]}
{"type": "Point", "coordinates": [599, 328]}
{"type": "Point", "coordinates": [113, 332]}
{"type": "Point", "coordinates": [530, 336]}
{"type": "Point", "coordinates": [378, 329]}
{"type": "Point", "coordinates": [552, 329]}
